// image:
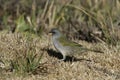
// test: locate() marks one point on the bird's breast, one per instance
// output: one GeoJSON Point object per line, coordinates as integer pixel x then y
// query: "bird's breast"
{"type": "Point", "coordinates": [65, 50]}
{"type": "Point", "coordinates": [57, 45]}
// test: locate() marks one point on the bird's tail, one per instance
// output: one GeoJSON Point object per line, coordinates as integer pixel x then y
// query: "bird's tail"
{"type": "Point", "coordinates": [98, 51]}
{"type": "Point", "coordinates": [83, 49]}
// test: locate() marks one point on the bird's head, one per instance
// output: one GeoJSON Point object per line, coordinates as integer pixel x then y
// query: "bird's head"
{"type": "Point", "coordinates": [55, 32]}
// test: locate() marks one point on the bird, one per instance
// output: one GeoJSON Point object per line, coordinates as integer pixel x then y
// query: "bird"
{"type": "Point", "coordinates": [66, 47]}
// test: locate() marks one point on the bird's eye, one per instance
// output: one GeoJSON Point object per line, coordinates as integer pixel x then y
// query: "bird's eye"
{"type": "Point", "coordinates": [53, 32]}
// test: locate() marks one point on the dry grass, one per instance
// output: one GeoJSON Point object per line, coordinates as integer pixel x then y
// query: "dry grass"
{"type": "Point", "coordinates": [92, 66]}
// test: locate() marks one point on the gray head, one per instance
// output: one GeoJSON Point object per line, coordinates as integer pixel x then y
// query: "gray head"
{"type": "Point", "coordinates": [55, 32]}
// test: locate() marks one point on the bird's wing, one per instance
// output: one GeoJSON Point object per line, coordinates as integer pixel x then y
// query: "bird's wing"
{"type": "Point", "coordinates": [65, 42]}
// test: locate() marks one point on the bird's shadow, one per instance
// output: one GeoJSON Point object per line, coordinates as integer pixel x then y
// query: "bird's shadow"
{"type": "Point", "coordinates": [58, 55]}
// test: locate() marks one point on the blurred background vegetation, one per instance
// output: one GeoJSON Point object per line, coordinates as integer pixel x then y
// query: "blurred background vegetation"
{"type": "Point", "coordinates": [90, 20]}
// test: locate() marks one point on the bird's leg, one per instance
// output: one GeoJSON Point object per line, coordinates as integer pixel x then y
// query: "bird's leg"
{"type": "Point", "coordinates": [73, 58]}
{"type": "Point", "coordinates": [64, 57]}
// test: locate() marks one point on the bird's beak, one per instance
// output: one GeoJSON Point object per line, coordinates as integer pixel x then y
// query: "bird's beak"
{"type": "Point", "coordinates": [50, 32]}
